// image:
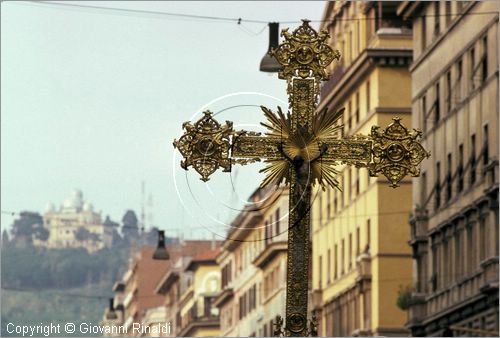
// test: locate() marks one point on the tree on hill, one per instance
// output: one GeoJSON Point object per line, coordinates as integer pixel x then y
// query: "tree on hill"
{"type": "Point", "coordinates": [41, 233]}
{"type": "Point", "coordinates": [5, 238]}
{"type": "Point", "coordinates": [130, 228]}
{"type": "Point", "coordinates": [151, 237]}
{"type": "Point", "coordinates": [23, 227]}
{"type": "Point", "coordinates": [82, 234]}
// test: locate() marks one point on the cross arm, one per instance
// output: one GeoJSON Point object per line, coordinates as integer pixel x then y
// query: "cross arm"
{"type": "Point", "coordinates": [250, 147]}
{"type": "Point", "coordinates": [355, 151]}
{"type": "Point", "coordinates": [393, 152]}
{"type": "Point", "coordinates": [208, 145]}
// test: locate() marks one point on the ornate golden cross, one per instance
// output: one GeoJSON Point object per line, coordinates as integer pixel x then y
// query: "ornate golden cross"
{"type": "Point", "coordinates": [301, 148]}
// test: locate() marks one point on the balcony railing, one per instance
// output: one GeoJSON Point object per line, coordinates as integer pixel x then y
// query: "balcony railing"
{"type": "Point", "coordinates": [203, 309]}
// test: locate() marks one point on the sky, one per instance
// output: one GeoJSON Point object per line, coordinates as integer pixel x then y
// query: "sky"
{"type": "Point", "coordinates": [92, 99]}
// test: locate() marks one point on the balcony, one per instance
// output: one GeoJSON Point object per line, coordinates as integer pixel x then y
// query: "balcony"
{"type": "Point", "coordinates": [417, 310]}
{"type": "Point", "coordinates": [223, 297]}
{"type": "Point", "coordinates": [202, 315]}
{"type": "Point", "coordinates": [364, 266]}
{"type": "Point", "coordinates": [270, 251]}
{"type": "Point", "coordinates": [392, 37]}
{"type": "Point", "coordinates": [476, 284]}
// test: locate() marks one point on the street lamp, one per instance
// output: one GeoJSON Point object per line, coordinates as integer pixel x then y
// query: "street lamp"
{"type": "Point", "coordinates": [111, 313]}
{"type": "Point", "coordinates": [269, 63]}
{"type": "Point", "coordinates": [161, 252]}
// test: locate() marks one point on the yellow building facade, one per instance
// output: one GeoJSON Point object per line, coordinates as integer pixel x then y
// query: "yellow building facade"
{"type": "Point", "coordinates": [199, 317]}
{"type": "Point", "coordinates": [360, 252]}
{"type": "Point", "coordinates": [76, 216]}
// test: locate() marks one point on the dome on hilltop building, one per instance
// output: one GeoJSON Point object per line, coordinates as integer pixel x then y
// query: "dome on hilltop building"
{"type": "Point", "coordinates": [75, 201]}
{"type": "Point", "coordinates": [50, 207]}
{"type": "Point", "coordinates": [88, 206]}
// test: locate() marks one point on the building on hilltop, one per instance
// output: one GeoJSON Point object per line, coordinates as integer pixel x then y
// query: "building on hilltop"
{"type": "Point", "coordinates": [76, 225]}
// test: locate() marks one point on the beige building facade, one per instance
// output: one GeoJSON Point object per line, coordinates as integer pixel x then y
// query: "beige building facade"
{"type": "Point", "coordinates": [76, 225]}
{"type": "Point", "coordinates": [454, 227]}
{"type": "Point", "coordinates": [360, 255]}
{"type": "Point", "coordinates": [253, 267]}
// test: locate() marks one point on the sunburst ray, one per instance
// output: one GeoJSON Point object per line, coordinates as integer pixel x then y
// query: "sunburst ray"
{"type": "Point", "coordinates": [302, 143]}
{"type": "Point", "coordinates": [325, 123]}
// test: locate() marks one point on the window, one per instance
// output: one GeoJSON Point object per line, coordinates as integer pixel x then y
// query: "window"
{"type": "Point", "coordinates": [335, 262]}
{"type": "Point", "coordinates": [458, 255]}
{"type": "Point", "coordinates": [472, 65]}
{"type": "Point", "coordinates": [448, 179]}
{"type": "Point", "coordinates": [357, 241]}
{"type": "Point", "coordinates": [460, 168]}
{"type": "Point", "coordinates": [358, 36]}
{"type": "Point", "coordinates": [356, 114]}
{"type": "Point", "coordinates": [482, 238]}
{"type": "Point", "coordinates": [447, 9]}
{"type": "Point", "coordinates": [437, 106]}
{"type": "Point", "coordinates": [473, 159]}
{"type": "Point", "coordinates": [448, 92]}
{"type": "Point", "coordinates": [423, 33]}
{"type": "Point", "coordinates": [486, 150]}
{"type": "Point", "coordinates": [342, 191]}
{"type": "Point", "coordinates": [438, 185]}
{"type": "Point", "coordinates": [267, 237]}
{"type": "Point", "coordinates": [350, 251]}
{"type": "Point", "coordinates": [349, 115]}
{"type": "Point", "coordinates": [436, 19]}
{"type": "Point", "coordinates": [335, 193]}
{"type": "Point", "coordinates": [277, 222]}
{"type": "Point", "coordinates": [424, 113]}
{"type": "Point", "coordinates": [357, 181]}
{"type": "Point", "coordinates": [445, 267]}
{"type": "Point", "coordinates": [368, 236]}
{"type": "Point", "coordinates": [342, 262]}
{"type": "Point", "coordinates": [320, 271]}
{"type": "Point", "coordinates": [328, 200]}
{"type": "Point", "coordinates": [349, 183]}
{"type": "Point", "coordinates": [470, 248]}
{"type": "Point", "coordinates": [484, 60]}
{"type": "Point", "coordinates": [434, 276]}
{"type": "Point", "coordinates": [460, 82]}
{"type": "Point", "coordinates": [350, 47]}
{"type": "Point", "coordinates": [367, 97]}
{"type": "Point", "coordinates": [329, 267]}
{"type": "Point", "coordinates": [423, 191]}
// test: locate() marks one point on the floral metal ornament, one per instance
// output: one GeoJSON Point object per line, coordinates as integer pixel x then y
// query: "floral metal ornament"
{"type": "Point", "coordinates": [304, 53]}
{"type": "Point", "coordinates": [205, 145]}
{"type": "Point", "coordinates": [396, 152]}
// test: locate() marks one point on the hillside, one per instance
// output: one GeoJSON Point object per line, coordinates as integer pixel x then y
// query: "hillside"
{"type": "Point", "coordinates": [57, 285]}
